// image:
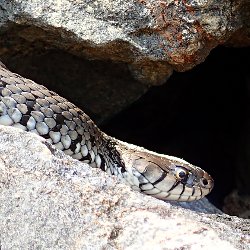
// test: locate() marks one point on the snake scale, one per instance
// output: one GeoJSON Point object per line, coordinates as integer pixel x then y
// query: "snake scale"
{"type": "Point", "coordinates": [32, 107]}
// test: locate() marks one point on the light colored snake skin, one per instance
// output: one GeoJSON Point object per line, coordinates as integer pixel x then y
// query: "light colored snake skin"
{"type": "Point", "coordinates": [32, 107]}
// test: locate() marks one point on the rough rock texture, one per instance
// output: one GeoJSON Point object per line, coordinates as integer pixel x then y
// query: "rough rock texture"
{"type": "Point", "coordinates": [241, 38]}
{"type": "Point", "coordinates": [50, 201]}
{"type": "Point", "coordinates": [149, 38]}
{"type": "Point", "coordinates": [154, 36]}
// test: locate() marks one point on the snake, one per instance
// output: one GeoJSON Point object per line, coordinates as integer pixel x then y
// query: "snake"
{"type": "Point", "coordinates": [31, 107]}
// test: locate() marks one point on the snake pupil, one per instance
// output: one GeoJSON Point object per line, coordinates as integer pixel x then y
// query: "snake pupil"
{"type": "Point", "coordinates": [182, 174]}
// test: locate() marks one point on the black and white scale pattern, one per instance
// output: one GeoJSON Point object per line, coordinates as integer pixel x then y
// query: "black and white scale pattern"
{"type": "Point", "coordinates": [32, 107]}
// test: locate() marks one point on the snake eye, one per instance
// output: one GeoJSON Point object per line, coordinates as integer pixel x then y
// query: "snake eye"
{"type": "Point", "coordinates": [181, 173]}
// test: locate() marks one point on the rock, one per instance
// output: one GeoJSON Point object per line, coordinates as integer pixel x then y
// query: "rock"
{"type": "Point", "coordinates": [241, 38]}
{"type": "Point", "coordinates": [144, 33]}
{"type": "Point", "coordinates": [149, 38]}
{"type": "Point", "coordinates": [238, 205]}
{"type": "Point", "coordinates": [50, 201]}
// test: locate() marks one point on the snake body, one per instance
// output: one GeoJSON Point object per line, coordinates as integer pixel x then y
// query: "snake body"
{"type": "Point", "coordinates": [32, 107]}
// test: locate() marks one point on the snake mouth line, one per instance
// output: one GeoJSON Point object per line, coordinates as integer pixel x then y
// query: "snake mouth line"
{"type": "Point", "coordinates": [176, 197]}
{"type": "Point", "coordinates": [173, 197]}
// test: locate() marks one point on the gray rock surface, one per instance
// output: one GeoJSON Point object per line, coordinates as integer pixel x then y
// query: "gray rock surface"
{"type": "Point", "coordinates": [155, 37]}
{"type": "Point", "coordinates": [47, 41]}
{"type": "Point", "coordinates": [50, 201]}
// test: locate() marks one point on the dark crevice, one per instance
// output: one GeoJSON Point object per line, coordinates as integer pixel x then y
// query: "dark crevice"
{"type": "Point", "coordinates": [199, 115]}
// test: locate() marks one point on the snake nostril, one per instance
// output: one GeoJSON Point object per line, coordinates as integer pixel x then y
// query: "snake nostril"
{"type": "Point", "coordinates": [204, 181]}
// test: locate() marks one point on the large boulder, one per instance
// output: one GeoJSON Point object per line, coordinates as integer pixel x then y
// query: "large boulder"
{"type": "Point", "coordinates": [51, 201]}
{"type": "Point", "coordinates": [47, 41]}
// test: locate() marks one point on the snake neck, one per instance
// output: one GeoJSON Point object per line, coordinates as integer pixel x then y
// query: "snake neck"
{"type": "Point", "coordinates": [111, 155]}
{"type": "Point", "coordinates": [121, 159]}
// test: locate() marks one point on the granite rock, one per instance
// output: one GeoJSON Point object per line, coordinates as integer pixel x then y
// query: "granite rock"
{"type": "Point", "coordinates": [153, 37]}
{"type": "Point", "coordinates": [51, 201]}
{"type": "Point", "coordinates": [98, 53]}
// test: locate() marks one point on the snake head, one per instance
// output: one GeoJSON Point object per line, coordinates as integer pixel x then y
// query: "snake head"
{"type": "Point", "coordinates": [166, 177]}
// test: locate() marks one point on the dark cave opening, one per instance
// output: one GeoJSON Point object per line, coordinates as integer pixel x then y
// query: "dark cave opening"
{"type": "Point", "coordinates": [199, 115]}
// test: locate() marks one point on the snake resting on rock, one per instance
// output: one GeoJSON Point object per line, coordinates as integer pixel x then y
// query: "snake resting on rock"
{"type": "Point", "coordinates": [32, 107]}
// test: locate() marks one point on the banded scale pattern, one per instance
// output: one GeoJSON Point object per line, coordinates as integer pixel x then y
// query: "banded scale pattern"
{"type": "Point", "coordinates": [33, 108]}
